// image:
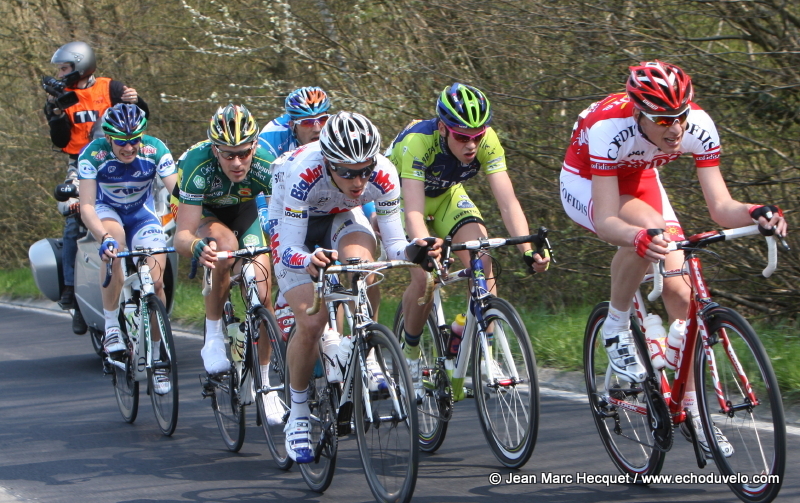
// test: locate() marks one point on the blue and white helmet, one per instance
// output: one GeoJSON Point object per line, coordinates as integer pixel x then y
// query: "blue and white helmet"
{"type": "Point", "coordinates": [306, 102]}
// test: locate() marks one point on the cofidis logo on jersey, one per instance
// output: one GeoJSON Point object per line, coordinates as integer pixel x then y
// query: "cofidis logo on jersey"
{"type": "Point", "coordinates": [308, 179]}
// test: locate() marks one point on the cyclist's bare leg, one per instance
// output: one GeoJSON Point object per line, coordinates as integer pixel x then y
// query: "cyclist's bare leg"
{"type": "Point", "coordinates": [111, 293]}
{"type": "Point", "coordinates": [304, 345]}
{"type": "Point", "coordinates": [225, 240]}
{"type": "Point", "coordinates": [469, 232]}
{"type": "Point", "coordinates": [414, 315]}
{"type": "Point", "coordinates": [264, 279]}
{"type": "Point", "coordinates": [361, 245]}
{"type": "Point", "coordinates": [158, 264]}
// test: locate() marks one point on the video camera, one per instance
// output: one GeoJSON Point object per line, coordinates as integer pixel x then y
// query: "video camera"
{"type": "Point", "coordinates": [56, 88]}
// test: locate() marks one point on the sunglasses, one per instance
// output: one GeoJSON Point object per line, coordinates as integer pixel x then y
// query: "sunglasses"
{"type": "Point", "coordinates": [466, 138]}
{"type": "Point", "coordinates": [349, 174]}
{"type": "Point", "coordinates": [668, 120]}
{"type": "Point", "coordinates": [229, 156]}
{"type": "Point", "coordinates": [321, 120]}
{"type": "Point", "coordinates": [121, 143]}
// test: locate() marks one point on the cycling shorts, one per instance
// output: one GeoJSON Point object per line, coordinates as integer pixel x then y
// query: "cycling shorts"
{"type": "Point", "coordinates": [142, 227]}
{"type": "Point", "coordinates": [576, 197]}
{"type": "Point", "coordinates": [242, 219]}
{"type": "Point", "coordinates": [448, 212]}
{"type": "Point", "coordinates": [326, 232]}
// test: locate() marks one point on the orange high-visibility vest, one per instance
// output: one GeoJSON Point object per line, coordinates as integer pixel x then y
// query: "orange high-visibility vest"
{"type": "Point", "coordinates": [92, 104]}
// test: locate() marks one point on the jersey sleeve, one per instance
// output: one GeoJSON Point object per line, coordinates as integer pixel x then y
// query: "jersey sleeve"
{"type": "Point", "coordinates": [702, 139]}
{"type": "Point", "coordinates": [408, 152]}
{"type": "Point", "coordinates": [491, 154]}
{"type": "Point", "coordinates": [87, 169]}
{"type": "Point", "coordinates": [387, 209]}
{"type": "Point", "coordinates": [193, 183]}
{"type": "Point", "coordinates": [165, 164]}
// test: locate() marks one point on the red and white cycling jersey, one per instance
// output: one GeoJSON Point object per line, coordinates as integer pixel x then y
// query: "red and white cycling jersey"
{"type": "Point", "coordinates": [606, 141]}
{"type": "Point", "coordinates": [302, 189]}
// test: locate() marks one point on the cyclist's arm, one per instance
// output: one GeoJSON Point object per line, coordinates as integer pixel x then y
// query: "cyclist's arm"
{"type": "Point", "coordinates": [89, 216]}
{"type": "Point", "coordinates": [189, 217]}
{"type": "Point", "coordinates": [510, 210]}
{"type": "Point", "coordinates": [414, 208]}
{"type": "Point", "coordinates": [170, 181]}
{"type": "Point", "coordinates": [724, 210]}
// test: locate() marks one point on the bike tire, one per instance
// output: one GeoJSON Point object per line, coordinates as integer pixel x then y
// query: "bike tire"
{"type": "Point", "coordinates": [165, 406]}
{"type": "Point", "coordinates": [436, 407]}
{"type": "Point", "coordinates": [388, 444]}
{"type": "Point", "coordinates": [274, 404]}
{"type": "Point", "coordinates": [508, 399]}
{"type": "Point", "coordinates": [126, 388]}
{"type": "Point", "coordinates": [756, 433]}
{"type": "Point", "coordinates": [227, 405]}
{"type": "Point", "coordinates": [322, 401]}
{"type": "Point", "coordinates": [619, 438]}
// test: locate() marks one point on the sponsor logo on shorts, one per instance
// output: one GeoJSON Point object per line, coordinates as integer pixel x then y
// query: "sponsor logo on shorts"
{"type": "Point", "coordinates": [251, 240]}
{"type": "Point", "coordinates": [464, 204]}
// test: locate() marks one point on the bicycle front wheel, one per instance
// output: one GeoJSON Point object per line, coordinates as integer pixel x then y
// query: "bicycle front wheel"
{"type": "Point", "coordinates": [435, 407]}
{"type": "Point", "coordinates": [754, 426]}
{"type": "Point", "coordinates": [126, 387]}
{"type": "Point", "coordinates": [619, 408]}
{"type": "Point", "coordinates": [165, 404]}
{"type": "Point", "coordinates": [506, 385]}
{"type": "Point", "coordinates": [385, 416]}
{"type": "Point", "coordinates": [227, 404]}
{"type": "Point", "coordinates": [272, 402]}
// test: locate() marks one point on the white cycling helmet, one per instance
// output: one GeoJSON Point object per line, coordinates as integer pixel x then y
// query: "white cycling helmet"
{"type": "Point", "coordinates": [349, 138]}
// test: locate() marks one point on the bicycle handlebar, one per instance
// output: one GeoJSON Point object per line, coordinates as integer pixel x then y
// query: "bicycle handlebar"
{"type": "Point", "coordinates": [704, 239]}
{"type": "Point", "coordinates": [365, 267]}
{"type": "Point", "coordinates": [247, 251]}
{"type": "Point", "coordinates": [138, 252]}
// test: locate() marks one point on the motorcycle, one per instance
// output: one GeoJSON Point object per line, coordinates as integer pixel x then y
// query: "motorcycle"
{"type": "Point", "coordinates": [47, 268]}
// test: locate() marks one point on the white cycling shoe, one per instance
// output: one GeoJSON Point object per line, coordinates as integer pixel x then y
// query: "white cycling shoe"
{"type": "Point", "coordinates": [623, 357]}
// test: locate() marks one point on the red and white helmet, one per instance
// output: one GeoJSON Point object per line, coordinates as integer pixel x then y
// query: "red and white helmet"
{"type": "Point", "coordinates": [655, 86]}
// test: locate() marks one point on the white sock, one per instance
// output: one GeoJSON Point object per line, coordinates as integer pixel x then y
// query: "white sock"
{"type": "Point", "coordinates": [690, 402]}
{"type": "Point", "coordinates": [111, 317]}
{"type": "Point", "coordinates": [213, 329]}
{"type": "Point", "coordinates": [299, 404]}
{"type": "Point", "coordinates": [156, 351]}
{"type": "Point", "coordinates": [616, 321]}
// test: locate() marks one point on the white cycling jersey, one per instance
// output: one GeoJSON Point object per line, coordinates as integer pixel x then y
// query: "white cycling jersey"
{"type": "Point", "coordinates": [302, 188]}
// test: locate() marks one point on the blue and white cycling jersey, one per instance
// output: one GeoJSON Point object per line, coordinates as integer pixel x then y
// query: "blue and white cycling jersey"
{"type": "Point", "coordinates": [277, 137]}
{"type": "Point", "coordinates": [125, 187]}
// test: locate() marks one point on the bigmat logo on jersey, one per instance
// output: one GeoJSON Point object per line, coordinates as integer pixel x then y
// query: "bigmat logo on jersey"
{"type": "Point", "coordinates": [381, 179]}
{"type": "Point", "coordinates": [309, 178]}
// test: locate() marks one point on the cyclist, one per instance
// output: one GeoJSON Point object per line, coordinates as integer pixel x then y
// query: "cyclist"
{"type": "Point", "coordinates": [117, 174]}
{"type": "Point", "coordinates": [610, 185]}
{"type": "Point", "coordinates": [319, 190]}
{"type": "Point", "coordinates": [220, 178]}
{"type": "Point", "coordinates": [434, 158]}
{"type": "Point", "coordinates": [71, 130]}
{"type": "Point", "coordinates": [306, 113]}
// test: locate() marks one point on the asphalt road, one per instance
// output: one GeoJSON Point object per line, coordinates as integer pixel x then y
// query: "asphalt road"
{"type": "Point", "coordinates": [62, 439]}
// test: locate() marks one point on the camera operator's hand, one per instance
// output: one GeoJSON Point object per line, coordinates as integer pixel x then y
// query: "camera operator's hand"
{"type": "Point", "coordinates": [129, 95]}
{"type": "Point", "coordinates": [51, 109]}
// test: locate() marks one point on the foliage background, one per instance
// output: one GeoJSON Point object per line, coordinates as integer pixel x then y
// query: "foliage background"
{"type": "Point", "coordinates": [540, 61]}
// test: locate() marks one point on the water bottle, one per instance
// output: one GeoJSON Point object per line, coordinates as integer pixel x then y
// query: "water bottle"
{"type": "Point", "coordinates": [330, 352]}
{"type": "Point", "coordinates": [236, 335]}
{"type": "Point", "coordinates": [457, 333]}
{"type": "Point", "coordinates": [263, 212]}
{"type": "Point", "coordinates": [677, 333]}
{"type": "Point", "coordinates": [345, 349]}
{"type": "Point", "coordinates": [656, 340]}
{"type": "Point", "coordinates": [131, 319]}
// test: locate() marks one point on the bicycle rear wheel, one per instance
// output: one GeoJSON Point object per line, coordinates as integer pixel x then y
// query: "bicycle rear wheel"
{"type": "Point", "coordinates": [126, 388]}
{"type": "Point", "coordinates": [755, 429]}
{"type": "Point", "coordinates": [165, 405]}
{"type": "Point", "coordinates": [625, 433]}
{"type": "Point", "coordinates": [506, 386]}
{"type": "Point", "coordinates": [272, 406]}
{"type": "Point", "coordinates": [436, 407]}
{"type": "Point", "coordinates": [388, 436]}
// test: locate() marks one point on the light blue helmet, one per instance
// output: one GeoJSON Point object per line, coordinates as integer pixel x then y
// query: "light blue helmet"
{"type": "Point", "coordinates": [307, 101]}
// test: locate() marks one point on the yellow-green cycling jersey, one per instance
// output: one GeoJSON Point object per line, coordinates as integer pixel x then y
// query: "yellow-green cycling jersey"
{"type": "Point", "coordinates": [419, 152]}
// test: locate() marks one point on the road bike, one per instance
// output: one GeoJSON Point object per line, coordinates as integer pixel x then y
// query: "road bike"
{"type": "Point", "coordinates": [382, 414]}
{"type": "Point", "coordinates": [736, 387]}
{"type": "Point", "coordinates": [504, 379]}
{"type": "Point", "coordinates": [144, 322]}
{"type": "Point", "coordinates": [243, 383]}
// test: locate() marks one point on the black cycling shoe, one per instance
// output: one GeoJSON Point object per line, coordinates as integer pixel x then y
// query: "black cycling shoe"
{"type": "Point", "coordinates": [78, 323]}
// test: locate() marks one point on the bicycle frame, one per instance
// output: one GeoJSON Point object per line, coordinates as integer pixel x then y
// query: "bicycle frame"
{"type": "Point", "coordinates": [140, 282]}
{"type": "Point", "coordinates": [696, 329]}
